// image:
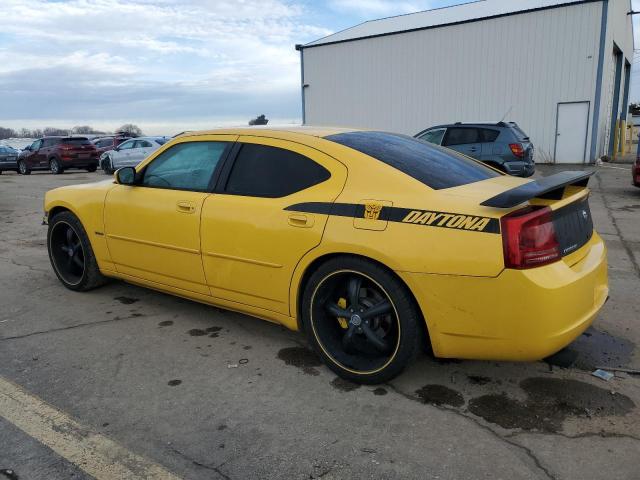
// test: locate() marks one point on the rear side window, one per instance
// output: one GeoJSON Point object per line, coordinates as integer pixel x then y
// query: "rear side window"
{"type": "Point", "coordinates": [489, 135]}
{"type": "Point", "coordinates": [434, 166]}
{"type": "Point", "coordinates": [461, 136]}
{"type": "Point", "coordinates": [264, 171]}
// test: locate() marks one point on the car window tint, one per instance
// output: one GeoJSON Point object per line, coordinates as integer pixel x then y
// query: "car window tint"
{"type": "Point", "coordinates": [489, 135]}
{"type": "Point", "coordinates": [461, 136]}
{"type": "Point", "coordinates": [142, 144]}
{"type": "Point", "coordinates": [127, 145]}
{"type": "Point", "coordinates": [72, 141]}
{"type": "Point", "coordinates": [185, 166]}
{"type": "Point", "coordinates": [433, 136]}
{"type": "Point", "coordinates": [432, 165]}
{"type": "Point", "coordinates": [264, 171]}
{"type": "Point", "coordinates": [36, 145]}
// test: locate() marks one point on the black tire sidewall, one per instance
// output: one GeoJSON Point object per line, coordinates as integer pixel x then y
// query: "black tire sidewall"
{"type": "Point", "coordinates": [91, 276]}
{"type": "Point", "coordinates": [57, 163]}
{"type": "Point", "coordinates": [408, 316]}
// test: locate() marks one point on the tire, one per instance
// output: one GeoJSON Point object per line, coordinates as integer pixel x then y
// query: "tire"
{"type": "Point", "coordinates": [23, 168]}
{"type": "Point", "coordinates": [105, 164]}
{"type": "Point", "coordinates": [71, 255]}
{"type": "Point", "coordinates": [0, 172]}
{"type": "Point", "coordinates": [371, 342]}
{"type": "Point", "coordinates": [92, 168]}
{"type": "Point", "coordinates": [55, 167]}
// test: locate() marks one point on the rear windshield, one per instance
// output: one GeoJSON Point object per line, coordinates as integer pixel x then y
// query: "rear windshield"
{"type": "Point", "coordinates": [434, 166]}
{"type": "Point", "coordinates": [76, 141]}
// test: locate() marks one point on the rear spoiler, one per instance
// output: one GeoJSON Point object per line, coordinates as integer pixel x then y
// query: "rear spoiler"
{"type": "Point", "coordinates": [551, 187]}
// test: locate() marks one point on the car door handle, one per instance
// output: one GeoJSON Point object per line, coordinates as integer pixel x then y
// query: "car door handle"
{"type": "Point", "coordinates": [299, 220]}
{"type": "Point", "coordinates": [185, 207]}
{"type": "Point", "coordinates": [473, 149]}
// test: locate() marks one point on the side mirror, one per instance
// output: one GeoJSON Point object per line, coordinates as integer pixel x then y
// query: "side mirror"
{"type": "Point", "coordinates": [126, 176]}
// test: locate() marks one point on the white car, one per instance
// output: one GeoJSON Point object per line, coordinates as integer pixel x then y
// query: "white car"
{"type": "Point", "coordinates": [130, 153]}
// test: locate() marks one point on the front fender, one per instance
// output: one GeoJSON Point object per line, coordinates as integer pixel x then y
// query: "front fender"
{"type": "Point", "coordinates": [87, 203]}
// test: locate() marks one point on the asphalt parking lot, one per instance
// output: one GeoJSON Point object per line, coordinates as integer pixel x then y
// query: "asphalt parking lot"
{"type": "Point", "coordinates": [210, 394]}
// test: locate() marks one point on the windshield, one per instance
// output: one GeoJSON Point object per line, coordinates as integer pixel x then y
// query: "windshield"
{"type": "Point", "coordinates": [434, 166]}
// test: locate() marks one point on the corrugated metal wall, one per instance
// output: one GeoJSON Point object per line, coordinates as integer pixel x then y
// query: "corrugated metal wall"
{"type": "Point", "coordinates": [525, 64]}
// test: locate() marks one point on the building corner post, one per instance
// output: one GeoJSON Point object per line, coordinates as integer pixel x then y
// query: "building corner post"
{"type": "Point", "coordinates": [300, 49]}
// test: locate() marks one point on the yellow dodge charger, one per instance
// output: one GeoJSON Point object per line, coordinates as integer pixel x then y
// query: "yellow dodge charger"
{"type": "Point", "coordinates": [372, 243]}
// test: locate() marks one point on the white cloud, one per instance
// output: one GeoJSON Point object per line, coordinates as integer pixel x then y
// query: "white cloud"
{"type": "Point", "coordinates": [144, 60]}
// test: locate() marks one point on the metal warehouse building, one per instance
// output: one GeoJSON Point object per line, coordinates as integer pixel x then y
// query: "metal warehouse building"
{"type": "Point", "coordinates": [560, 69]}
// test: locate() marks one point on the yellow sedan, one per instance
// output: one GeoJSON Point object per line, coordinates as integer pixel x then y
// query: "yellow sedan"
{"type": "Point", "coordinates": [374, 244]}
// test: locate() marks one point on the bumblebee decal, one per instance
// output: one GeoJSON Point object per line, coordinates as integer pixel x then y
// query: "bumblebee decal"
{"type": "Point", "coordinates": [372, 211]}
{"type": "Point", "coordinates": [427, 218]}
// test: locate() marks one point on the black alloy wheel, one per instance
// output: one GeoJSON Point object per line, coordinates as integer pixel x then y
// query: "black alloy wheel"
{"type": "Point", "coordinates": [67, 253]}
{"type": "Point", "coordinates": [361, 320]}
{"type": "Point", "coordinates": [71, 253]}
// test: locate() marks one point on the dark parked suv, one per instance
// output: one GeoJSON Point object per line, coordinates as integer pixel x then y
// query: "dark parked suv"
{"type": "Point", "coordinates": [502, 145]}
{"type": "Point", "coordinates": [58, 154]}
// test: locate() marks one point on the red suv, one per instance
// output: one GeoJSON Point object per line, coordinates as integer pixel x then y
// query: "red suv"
{"type": "Point", "coordinates": [104, 144]}
{"type": "Point", "coordinates": [58, 154]}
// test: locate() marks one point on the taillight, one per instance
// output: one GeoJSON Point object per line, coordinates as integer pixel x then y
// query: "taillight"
{"type": "Point", "coordinates": [529, 238]}
{"type": "Point", "coordinates": [517, 149]}
{"type": "Point", "coordinates": [66, 147]}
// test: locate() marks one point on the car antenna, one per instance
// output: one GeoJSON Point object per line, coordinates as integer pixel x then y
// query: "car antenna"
{"type": "Point", "coordinates": [505, 115]}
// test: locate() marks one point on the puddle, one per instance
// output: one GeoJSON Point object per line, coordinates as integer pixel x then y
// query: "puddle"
{"type": "Point", "coordinates": [166, 323]}
{"type": "Point", "coordinates": [344, 385]}
{"type": "Point", "coordinates": [594, 348]}
{"type": "Point", "coordinates": [380, 391]}
{"type": "Point", "coordinates": [196, 332]}
{"type": "Point", "coordinates": [549, 402]}
{"type": "Point", "coordinates": [440, 395]}
{"type": "Point", "coordinates": [126, 300]}
{"type": "Point", "coordinates": [174, 383]}
{"type": "Point", "coordinates": [302, 358]}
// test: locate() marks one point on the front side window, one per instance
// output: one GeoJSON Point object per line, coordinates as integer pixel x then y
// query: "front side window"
{"type": "Point", "coordinates": [461, 136]}
{"type": "Point", "coordinates": [434, 166]}
{"type": "Point", "coordinates": [36, 145]}
{"type": "Point", "coordinates": [433, 136]}
{"type": "Point", "coordinates": [185, 166]}
{"type": "Point", "coordinates": [264, 171]}
{"type": "Point", "coordinates": [126, 145]}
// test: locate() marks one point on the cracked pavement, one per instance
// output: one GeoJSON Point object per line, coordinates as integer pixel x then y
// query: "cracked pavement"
{"type": "Point", "coordinates": [212, 394]}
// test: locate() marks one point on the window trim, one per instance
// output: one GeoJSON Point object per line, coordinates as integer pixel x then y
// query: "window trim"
{"type": "Point", "coordinates": [214, 176]}
{"type": "Point", "coordinates": [225, 174]}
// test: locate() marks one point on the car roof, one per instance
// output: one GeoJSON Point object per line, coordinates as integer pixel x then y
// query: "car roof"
{"type": "Point", "coordinates": [273, 131]}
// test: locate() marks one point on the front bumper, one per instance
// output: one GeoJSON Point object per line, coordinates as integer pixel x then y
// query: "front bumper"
{"type": "Point", "coordinates": [520, 315]}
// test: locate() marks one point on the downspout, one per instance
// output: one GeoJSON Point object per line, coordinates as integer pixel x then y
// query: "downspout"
{"type": "Point", "coordinates": [596, 103]}
{"type": "Point", "coordinates": [304, 116]}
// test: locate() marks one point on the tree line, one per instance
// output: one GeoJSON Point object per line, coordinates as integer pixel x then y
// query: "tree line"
{"type": "Point", "coordinates": [128, 128]}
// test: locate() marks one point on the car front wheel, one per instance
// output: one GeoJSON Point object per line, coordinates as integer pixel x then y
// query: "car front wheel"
{"type": "Point", "coordinates": [105, 164]}
{"type": "Point", "coordinates": [361, 320]}
{"type": "Point", "coordinates": [71, 255]}
{"type": "Point", "coordinates": [23, 169]}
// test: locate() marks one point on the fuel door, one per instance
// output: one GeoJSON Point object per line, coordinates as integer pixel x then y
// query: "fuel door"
{"type": "Point", "coordinates": [372, 215]}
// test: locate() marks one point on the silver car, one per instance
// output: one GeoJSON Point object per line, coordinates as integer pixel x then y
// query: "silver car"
{"type": "Point", "coordinates": [130, 153]}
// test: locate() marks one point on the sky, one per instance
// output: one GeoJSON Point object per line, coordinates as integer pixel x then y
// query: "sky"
{"type": "Point", "coordinates": [168, 65]}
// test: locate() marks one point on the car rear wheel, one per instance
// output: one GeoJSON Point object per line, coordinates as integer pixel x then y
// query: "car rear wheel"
{"type": "Point", "coordinates": [23, 169]}
{"type": "Point", "coordinates": [92, 168]}
{"type": "Point", "coordinates": [55, 167]}
{"type": "Point", "coordinates": [71, 255]}
{"type": "Point", "coordinates": [361, 320]}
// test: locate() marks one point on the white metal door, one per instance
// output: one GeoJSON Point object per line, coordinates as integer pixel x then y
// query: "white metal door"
{"type": "Point", "coordinates": [571, 136]}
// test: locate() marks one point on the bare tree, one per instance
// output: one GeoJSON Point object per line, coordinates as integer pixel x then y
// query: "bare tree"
{"type": "Point", "coordinates": [259, 120]}
{"type": "Point", "coordinates": [130, 129]}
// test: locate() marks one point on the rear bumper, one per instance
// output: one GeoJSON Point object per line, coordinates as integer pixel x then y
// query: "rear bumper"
{"type": "Point", "coordinates": [79, 162]}
{"type": "Point", "coordinates": [520, 169]}
{"type": "Point", "coordinates": [520, 315]}
{"type": "Point", "coordinates": [12, 165]}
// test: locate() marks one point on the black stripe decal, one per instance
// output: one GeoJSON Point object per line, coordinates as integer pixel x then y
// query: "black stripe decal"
{"type": "Point", "coordinates": [427, 218]}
